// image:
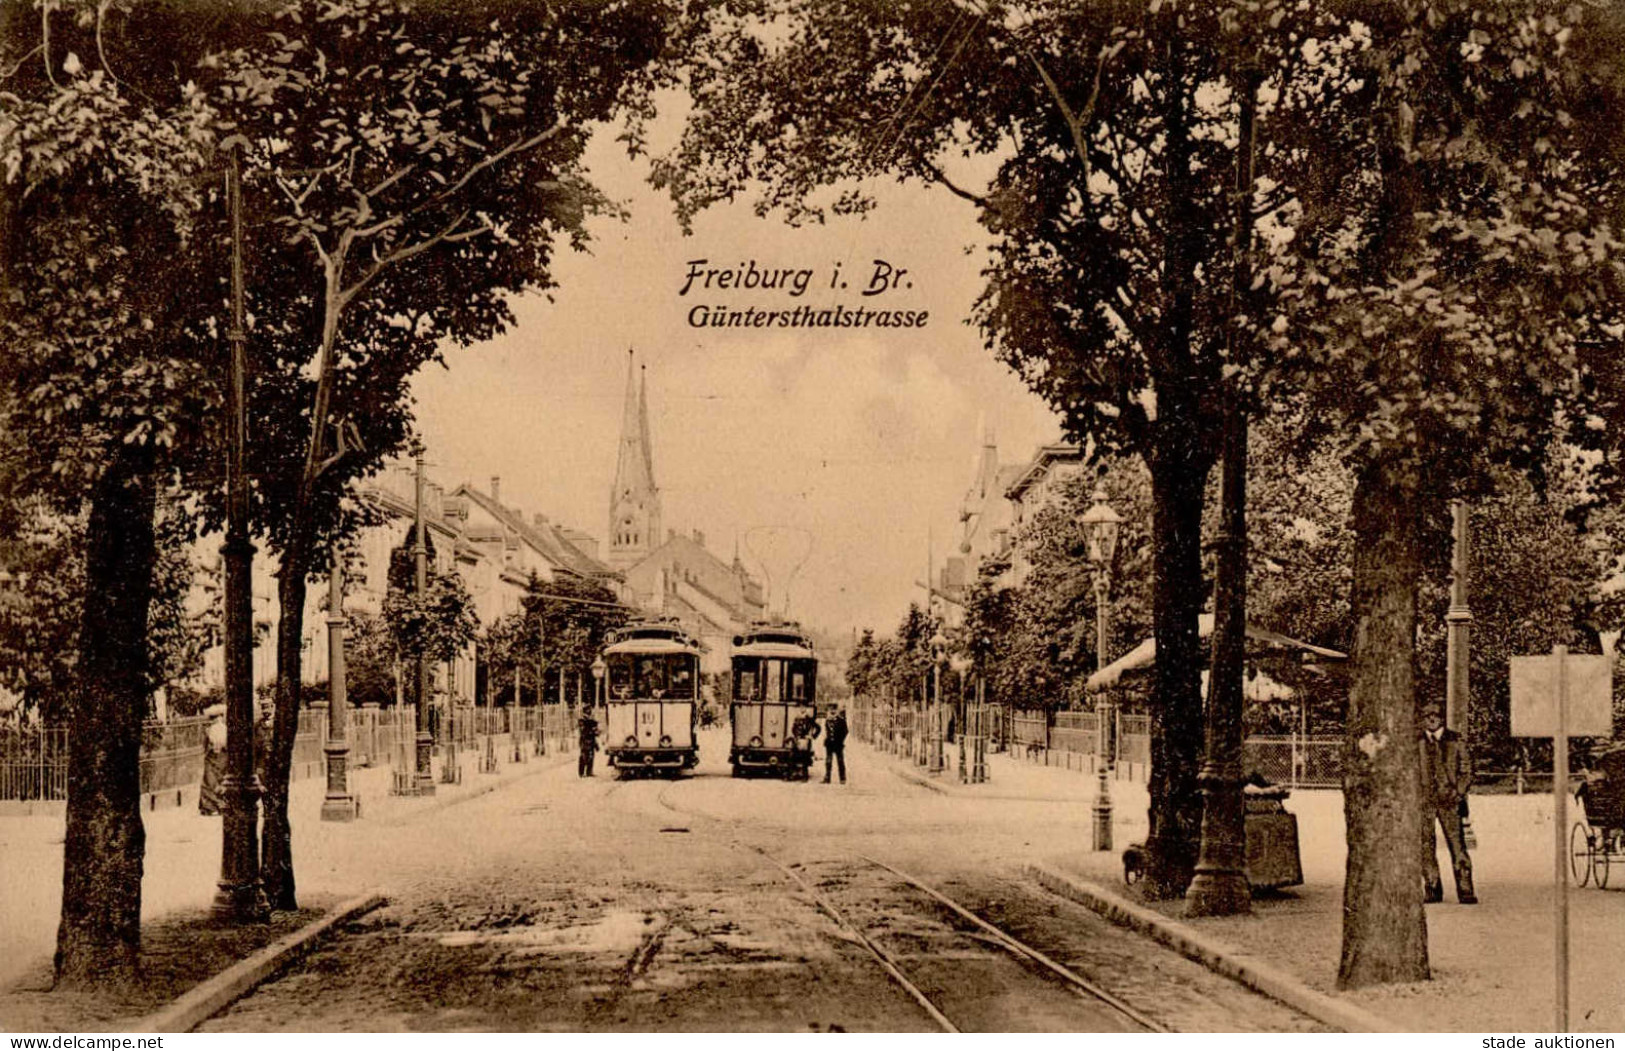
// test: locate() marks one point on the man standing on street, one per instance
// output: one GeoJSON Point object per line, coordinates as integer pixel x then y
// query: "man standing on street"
{"type": "Point", "coordinates": [589, 745]}
{"type": "Point", "coordinates": [835, 744]}
{"type": "Point", "coordinates": [1447, 774]}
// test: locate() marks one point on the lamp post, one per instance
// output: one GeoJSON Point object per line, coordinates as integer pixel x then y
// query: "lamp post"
{"type": "Point", "coordinates": [239, 895]}
{"type": "Point", "coordinates": [488, 762]}
{"type": "Point", "coordinates": [961, 664]}
{"type": "Point", "coordinates": [420, 558]}
{"type": "Point", "coordinates": [1100, 526]}
{"type": "Point", "coordinates": [450, 772]}
{"type": "Point", "coordinates": [938, 648]}
{"type": "Point", "coordinates": [598, 670]}
{"type": "Point", "coordinates": [339, 804]}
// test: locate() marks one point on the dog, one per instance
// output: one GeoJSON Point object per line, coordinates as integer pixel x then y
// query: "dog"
{"type": "Point", "coordinates": [1133, 863]}
{"type": "Point", "coordinates": [1034, 749]}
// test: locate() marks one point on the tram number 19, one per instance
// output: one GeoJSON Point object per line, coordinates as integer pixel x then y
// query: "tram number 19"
{"type": "Point", "coordinates": [647, 717]}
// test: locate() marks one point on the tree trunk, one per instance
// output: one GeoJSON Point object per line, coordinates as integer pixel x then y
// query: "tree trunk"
{"type": "Point", "coordinates": [276, 857]}
{"type": "Point", "coordinates": [99, 937]}
{"type": "Point", "coordinates": [1178, 480]}
{"type": "Point", "coordinates": [1384, 927]}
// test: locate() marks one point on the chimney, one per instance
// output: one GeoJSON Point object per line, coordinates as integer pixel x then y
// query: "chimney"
{"type": "Point", "coordinates": [699, 538]}
{"type": "Point", "coordinates": [496, 488]}
{"type": "Point", "coordinates": [538, 520]}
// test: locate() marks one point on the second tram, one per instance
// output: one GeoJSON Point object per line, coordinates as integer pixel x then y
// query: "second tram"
{"type": "Point", "coordinates": [775, 698]}
{"type": "Point", "coordinates": [653, 693]}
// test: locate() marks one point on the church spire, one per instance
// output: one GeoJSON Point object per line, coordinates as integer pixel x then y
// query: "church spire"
{"type": "Point", "coordinates": [634, 503]}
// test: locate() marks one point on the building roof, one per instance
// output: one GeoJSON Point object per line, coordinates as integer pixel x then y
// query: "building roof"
{"type": "Point", "coordinates": [1035, 469]}
{"type": "Point", "coordinates": [634, 467]}
{"type": "Point", "coordinates": [1145, 654]}
{"type": "Point", "coordinates": [543, 536]}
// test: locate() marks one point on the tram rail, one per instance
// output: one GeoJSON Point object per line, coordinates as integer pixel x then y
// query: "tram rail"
{"type": "Point", "coordinates": [1023, 952]}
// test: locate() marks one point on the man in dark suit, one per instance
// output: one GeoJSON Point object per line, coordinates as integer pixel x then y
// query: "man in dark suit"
{"type": "Point", "coordinates": [1447, 774]}
{"type": "Point", "coordinates": [835, 744]}
{"type": "Point", "coordinates": [588, 730]}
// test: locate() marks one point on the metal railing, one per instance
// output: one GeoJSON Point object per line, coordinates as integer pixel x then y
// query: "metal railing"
{"type": "Point", "coordinates": [1301, 762]}
{"type": "Point", "coordinates": [33, 762]}
{"type": "Point", "coordinates": [34, 759]}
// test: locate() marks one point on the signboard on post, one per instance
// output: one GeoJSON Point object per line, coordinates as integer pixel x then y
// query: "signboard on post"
{"type": "Point", "coordinates": [1561, 697]}
{"type": "Point", "coordinates": [1589, 683]}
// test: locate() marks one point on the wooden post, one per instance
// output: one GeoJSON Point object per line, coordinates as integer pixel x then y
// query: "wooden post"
{"type": "Point", "coordinates": [1560, 787]}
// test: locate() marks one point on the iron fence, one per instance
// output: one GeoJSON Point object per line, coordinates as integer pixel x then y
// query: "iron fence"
{"type": "Point", "coordinates": [33, 762]}
{"type": "Point", "coordinates": [171, 752]}
{"type": "Point", "coordinates": [1307, 762]}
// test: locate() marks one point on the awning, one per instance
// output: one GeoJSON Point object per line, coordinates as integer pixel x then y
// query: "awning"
{"type": "Point", "coordinates": [1145, 654]}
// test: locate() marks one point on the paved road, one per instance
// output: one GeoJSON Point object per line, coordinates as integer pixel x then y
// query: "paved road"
{"type": "Point", "coordinates": [602, 905]}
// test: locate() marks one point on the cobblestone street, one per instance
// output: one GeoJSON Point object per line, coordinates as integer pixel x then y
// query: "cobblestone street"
{"type": "Point", "coordinates": [559, 903]}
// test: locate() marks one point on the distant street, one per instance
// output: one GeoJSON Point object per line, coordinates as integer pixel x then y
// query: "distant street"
{"type": "Point", "coordinates": [565, 904]}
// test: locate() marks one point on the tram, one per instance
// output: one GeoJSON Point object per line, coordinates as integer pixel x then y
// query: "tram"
{"type": "Point", "coordinates": [652, 696]}
{"type": "Point", "coordinates": [775, 688]}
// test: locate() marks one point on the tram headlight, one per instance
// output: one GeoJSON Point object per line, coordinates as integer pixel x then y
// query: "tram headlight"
{"type": "Point", "coordinates": [631, 740]}
{"type": "Point", "coordinates": [756, 742]}
{"type": "Point", "coordinates": [665, 740]}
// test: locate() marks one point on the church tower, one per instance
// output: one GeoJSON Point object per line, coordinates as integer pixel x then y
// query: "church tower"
{"type": "Point", "coordinates": [634, 503]}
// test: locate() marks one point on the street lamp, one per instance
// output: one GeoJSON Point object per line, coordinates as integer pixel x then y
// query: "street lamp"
{"type": "Point", "coordinates": [938, 645]}
{"type": "Point", "coordinates": [339, 804]}
{"type": "Point", "coordinates": [598, 670]}
{"type": "Point", "coordinates": [1100, 528]}
{"type": "Point", "coordinates": [240, 895]}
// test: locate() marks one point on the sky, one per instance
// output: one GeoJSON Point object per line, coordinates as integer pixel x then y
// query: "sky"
{"type": "Point", "coordinates": [854, 446]}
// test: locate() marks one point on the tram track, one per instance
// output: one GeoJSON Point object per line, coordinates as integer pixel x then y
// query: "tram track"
{"type": "Point", "coordinates": [1034, 963]}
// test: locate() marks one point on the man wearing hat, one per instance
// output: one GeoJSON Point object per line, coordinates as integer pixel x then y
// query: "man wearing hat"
{"type": "Point", "coordinates": [1447, 773]}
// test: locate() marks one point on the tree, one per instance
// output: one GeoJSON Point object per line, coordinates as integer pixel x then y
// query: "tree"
{"type": "Point", "coordinates": [1110, 211]}
{"type": "Point", "coordinates": [860, 670]}
{"type": "Point", "coordinates": [437, 624]}
{"type": "Point", "coordinates": [412, 169]}
{"type": "Point", "coordinates": [571, 617]}
{"type": "Point", "coordinates": [1449, 293]}
{"type": "Point", "coordinates": [370, 660]}
{"type": "Point", "coordinates": [104, 387]}
{"type": "Point", "coordinates": [508, 646]}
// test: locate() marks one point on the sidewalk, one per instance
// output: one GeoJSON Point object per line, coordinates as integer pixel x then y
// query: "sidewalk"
{"type": "Point", "coordinates": [183, 851]}
{"type": "Point", "coordinates": [1493, 963]}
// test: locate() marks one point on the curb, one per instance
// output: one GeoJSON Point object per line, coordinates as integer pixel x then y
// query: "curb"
{"type": "Point", "coordinates": [542, 764]}
{"type": "Point", "coordinates": [1245, 968]}
{"type": "Point", "coordinates": [923, 782]}
{"type": "Point", "coordinates": [209, 997]}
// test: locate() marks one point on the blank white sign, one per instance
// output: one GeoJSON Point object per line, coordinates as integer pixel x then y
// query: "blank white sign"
{"type": "Point", "coordinates": [1590, 688]}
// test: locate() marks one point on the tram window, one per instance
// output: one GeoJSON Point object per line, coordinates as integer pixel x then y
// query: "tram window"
{"type": "Point", "coordinates": [773, 682]}
{"type": "Point", "coordinates": [651, 677]}
{"type": "Point", "coordinates": [620, 677]}
{"type": "Point", "coordinates": [798, 686]}
{"type": "Point", "coordinates": [745, 686]}
{"type": "Point", "coordinates": [682, 679]}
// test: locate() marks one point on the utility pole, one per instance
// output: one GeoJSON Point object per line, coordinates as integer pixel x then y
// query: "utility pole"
{"type": "Point", "coordinates": [1458, 622]}
{"type": "Point", "coordinates": [240, 896]}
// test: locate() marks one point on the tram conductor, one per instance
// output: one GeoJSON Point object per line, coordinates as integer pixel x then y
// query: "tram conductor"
{"type": "Point", "coordinates": [588, 744]}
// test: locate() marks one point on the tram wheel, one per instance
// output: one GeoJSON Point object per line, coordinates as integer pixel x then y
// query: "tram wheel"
{"type": "Point", "coordinates": [1599, 865]}
{"type": "Point", "coordinates": [1580, 853]}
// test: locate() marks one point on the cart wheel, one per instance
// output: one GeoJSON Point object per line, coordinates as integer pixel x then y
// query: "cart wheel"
{"type": "Point", "coordinates": [1580, 853]}
{"type": "Point", "coordinates": [1599, 864]}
